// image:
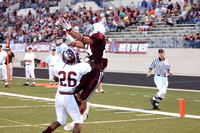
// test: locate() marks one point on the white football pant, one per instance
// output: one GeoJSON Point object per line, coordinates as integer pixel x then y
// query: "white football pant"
{"type": "Point", "coordinates": [67, 104]}
{"type": "Point", "coordinates": [162, 84]}
{"type": "Point", "coordinates": [3, 70]}
{"type": "Point", "coordinates": [29, 69]}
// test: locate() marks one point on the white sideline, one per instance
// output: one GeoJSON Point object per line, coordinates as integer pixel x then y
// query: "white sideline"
{"type": "Point", "coordinates": [153, 88]}
{"type": "Point", "coordinates": [14, 107]}
{"type": "Point", "coordinates": [145, 87]}
{"type": "Point", "coordinates": [108, 106]}
{"type": "Point", "coordinates": [96, 122]}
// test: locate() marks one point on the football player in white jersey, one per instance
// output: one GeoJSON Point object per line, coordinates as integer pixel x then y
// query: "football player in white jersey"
{"type": "Point", "coordinates": [69, 75]}
{"type": "Point", "coordinates": [3, 69]}
{"type": "Point", "coordinates": [51, 61]}
{"type": "Point", "coordinates": [29, 67]}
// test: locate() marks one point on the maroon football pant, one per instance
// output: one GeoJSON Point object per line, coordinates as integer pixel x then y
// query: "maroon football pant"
{"type": "Point", "coordinates": [89, 83]}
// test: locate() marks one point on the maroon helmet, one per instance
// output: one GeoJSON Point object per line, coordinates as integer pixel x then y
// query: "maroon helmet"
{"type": "Point", "coordinates": [70, 57]}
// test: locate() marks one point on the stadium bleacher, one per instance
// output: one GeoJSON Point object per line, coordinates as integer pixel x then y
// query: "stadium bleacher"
{"type": "Point", "coordinates": [38, 23]}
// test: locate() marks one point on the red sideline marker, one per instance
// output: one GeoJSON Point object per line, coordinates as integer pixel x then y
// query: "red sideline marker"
{"type": "Point", "coordinates": [182, 107]}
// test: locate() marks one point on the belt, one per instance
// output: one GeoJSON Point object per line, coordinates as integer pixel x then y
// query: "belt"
{"type": "Point", "coordinates": [28, 64]}
{"type": "Point", "coordinates": [66, 93]}
{"type": "Point", "coordinates": [162, 75]}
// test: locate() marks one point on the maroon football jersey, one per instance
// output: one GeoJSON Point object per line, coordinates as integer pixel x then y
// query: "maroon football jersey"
{"type": "Point", "coordinates": [97, 47]}
{"type": "Point", "coordinates": [198, 38]}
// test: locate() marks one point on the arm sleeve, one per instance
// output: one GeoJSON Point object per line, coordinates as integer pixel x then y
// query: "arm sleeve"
{"type": "Point", "coordinates": [168, 66]}
{"type": "Point", "coordinates": [153, 65]}
{"type": "Point", "coordinates": [47, 61]}
{"type": "Point", "coordinates": [25, 57]}
{"type": "Point", "coordinates": [13, 55]}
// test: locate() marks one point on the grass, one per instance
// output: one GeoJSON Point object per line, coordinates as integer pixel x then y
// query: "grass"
{"type": "Point", "coordinates": [15, 111]}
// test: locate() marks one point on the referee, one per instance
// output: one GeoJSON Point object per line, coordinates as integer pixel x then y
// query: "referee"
{"type": "Point", "coordinates": [162, 69]}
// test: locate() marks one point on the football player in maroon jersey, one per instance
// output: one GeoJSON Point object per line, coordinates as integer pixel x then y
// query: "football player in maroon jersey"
{"type": "Point", "coordinates": [90, 81]}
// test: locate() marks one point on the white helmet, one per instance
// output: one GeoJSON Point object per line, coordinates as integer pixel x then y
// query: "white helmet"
{"type": "Point", "coordinates": [97, 27]}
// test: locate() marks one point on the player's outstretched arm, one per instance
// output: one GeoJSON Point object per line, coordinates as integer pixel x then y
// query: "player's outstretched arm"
{"type": "Point", "coordinates": [80, 37]}
{"type": "Point", "coordinates": [67, 27]}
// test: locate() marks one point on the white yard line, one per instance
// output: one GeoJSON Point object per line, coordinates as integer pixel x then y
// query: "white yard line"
{"type": "Point", "coordinates": [144, 114]}
{"type": "Point", "coordinates": [96, 122]}
{"type": "Point", "coordinates": [145, 87]}
{"type": "Point", "coordinates": [123, 112]}
{"type": "Point", "coordinates": [108, 106]}
{"type": "Point", "coordinates": [14, 107]}
{"type": "Point", "coordinates": [146, 119]}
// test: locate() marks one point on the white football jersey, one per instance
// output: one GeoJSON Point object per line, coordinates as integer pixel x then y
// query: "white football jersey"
{"type": "Point", "coordinates": [53, 60]}
{"type": "Point", "coordinates": [29, 56]}
{"type": "Point", "coordinates": [70, 75]}
{"type": "Point", "coordinates": [3, 56]}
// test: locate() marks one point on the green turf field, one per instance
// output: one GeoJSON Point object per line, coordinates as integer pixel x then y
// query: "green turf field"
{"type": "Point", "coordinates": [26, 115]}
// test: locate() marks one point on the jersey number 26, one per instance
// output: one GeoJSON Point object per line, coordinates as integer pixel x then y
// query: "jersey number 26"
{"type": "Point", "coordinates": [71, 81]}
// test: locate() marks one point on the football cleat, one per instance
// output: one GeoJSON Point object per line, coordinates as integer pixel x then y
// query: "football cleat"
{"type": "Point", "coordinates": [25, 84]}
{"type": "Point", "coordinates": [32, 85]}
{"type": "Point", "coordinates": [153, 102]}
{"type": "Point", "coordinates": [69, 127]}
{"type": "Point", "coordinates": [156, 107]}
{"type": "Point", "coordinates": [96, 91]}
{"type": "Point", "coordinates": [86, 112]}
{"type": "Point", "coordinates": [101, 91]}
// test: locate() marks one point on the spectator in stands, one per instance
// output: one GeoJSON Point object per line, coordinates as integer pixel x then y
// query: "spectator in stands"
{"type": "Point", "coordinates": [134, 20]}
{"type": "Point", "coordinates": [152, 4]}
{"type": "Point", "coordinates": [121, 14]}
{"type": "Point", "coordinates": [182, 18]}
{"type": "Point", "coordinates": [170, 8]}
{"type": "Point", "coordinates": [163, 17]}
{"type": "Point", "coordinates": [144, 5]}
{"type": "Point", "coordinates": [120, 25]}
{"type": "Point", "coordinates": [132, 5]}
{"type": "Point", "coordinates": [191, 14]}
{"type": "Point", "coordinates": [159, 16]}
{"type": "Point", "coordinates": [192, 40]}
{"type": "Point", "coordinates": [197, 20]}
{"type": "Point", "coordinates": [110, 24]}
{"type": "Point", "coordinates": [169, 21]}
{"type": "Point", "coordinates": [198, 41]}
{"type": "Point", "coordinates": [142, 28]}
{"type": "Point", "coordinates": [187, 7]}
{"type": "Point", "coordinates": [152, 13]}
{"type": "Point", "coordinates": [149, 24]}
{"type": "Point", "coordinates": [160, 2]}
{"type": "Point", "coordinates": [176, 9]}
{"type": "Point", "coordinates": [164, 9]}
{"type": "Point", "coordinates": [127, 20]}
{"type": "Point", "coordinates": [198, 2]}
{"type": "Point", "coordinates": [157, 9]}
{"type": "Point", "coordinates": [191, 2]}
{"type": "Point", "coordinates": [155, 1]}
{"type": "Point", "coordinates": [186, 41]}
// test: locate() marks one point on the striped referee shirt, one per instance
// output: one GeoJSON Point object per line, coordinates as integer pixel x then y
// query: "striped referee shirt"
{"type": "Point", "coordinates": [160, 67]}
